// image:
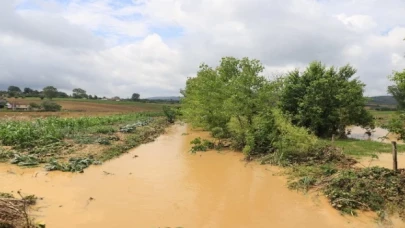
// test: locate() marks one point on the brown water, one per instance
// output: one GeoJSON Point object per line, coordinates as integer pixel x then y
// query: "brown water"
{"type": "Point", "coordinates": [168, 187]}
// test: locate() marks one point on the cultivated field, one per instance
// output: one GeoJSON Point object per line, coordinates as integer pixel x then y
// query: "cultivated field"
{"type": "Point", "coordinates": [79, 108]}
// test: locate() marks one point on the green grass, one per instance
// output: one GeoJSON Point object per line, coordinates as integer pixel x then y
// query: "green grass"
{"type": "Point", "coordinates": [360, 148]}
{"type": "Point", "coordinates": [382, 117]}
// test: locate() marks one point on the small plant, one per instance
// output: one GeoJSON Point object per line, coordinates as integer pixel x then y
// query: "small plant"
{"type": "Point", "coordinates": [25, 160]}
{"type": "Point", "coordinates": [74, 164]}
{"type": "Point", "coordinates": [105, 130]}
{"type": "Point", "coordinates": [103, 141]}
{"type": "Point", "coordinates": [201, 145]}
{"type": "Point", "coordinates": [85, 139]}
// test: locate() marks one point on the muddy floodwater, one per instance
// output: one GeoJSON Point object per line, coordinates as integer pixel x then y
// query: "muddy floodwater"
{"type": "Point", "coordinates": [377, 134]}
{"type": "Point", "coordinates": [166, 186]}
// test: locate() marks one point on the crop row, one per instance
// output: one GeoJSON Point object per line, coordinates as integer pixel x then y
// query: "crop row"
{"type": "Point", "coordinates": [28, 134]}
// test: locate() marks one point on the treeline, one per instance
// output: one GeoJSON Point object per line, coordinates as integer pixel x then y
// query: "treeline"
{"type": "Point", "coordinates": [47, 92]}
{"type": "Point", "coordinates": [282, 115]}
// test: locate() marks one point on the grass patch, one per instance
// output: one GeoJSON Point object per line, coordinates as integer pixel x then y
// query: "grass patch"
{"type": "Point", "coordinates": [381, 118]}
{"type": "Point", "coordinates": [359, 148]}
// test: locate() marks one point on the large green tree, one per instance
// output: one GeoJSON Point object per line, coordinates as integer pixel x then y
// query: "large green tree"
{"type": "Point", "coordinates": [235, 101]}
{"type": "Point", "coordinates": [50, 92]}
{"type": "Point", "coordinates": [325, 100]}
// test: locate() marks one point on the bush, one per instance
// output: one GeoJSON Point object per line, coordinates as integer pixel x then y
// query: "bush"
{"type": "Point", "coordinates": [50, 106]}
{"type": "Point", "coordinates": [3, 103]}
{"type": "Point", "coordinates": [170, 114]}
{"type": "Point", "coordinates": [35, 105]}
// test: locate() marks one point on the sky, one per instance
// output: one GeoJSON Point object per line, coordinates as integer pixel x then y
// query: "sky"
{"type": "Point", "coordinates": [151, 47]}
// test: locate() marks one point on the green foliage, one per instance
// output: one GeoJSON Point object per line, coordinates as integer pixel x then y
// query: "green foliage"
{"type": "Point", "coordinates": [396, 125]}
{"type": "Point", "coordinates": [135, 96]}
{"type": "Point", "coordinates": [372, 188]}
{"type": "Point", "coordinates": [325, 100]}
{"type": "Point", "coordinates": [26, 134]}
{"type": "Point", "coordinates": [50, 106]}
{"type": "Point", "coordinates": [50, 92]}
{"type": "Point", "coordinates": [129, 128]}
{"type": "Point", "coordinates": [74, 164]}
{"type": "Point", "coordinates": [398, 89]}
{"type": "Point", "coordinates": [170, 113]}
{"type": "Point", "coordinates": [25, 160]}
{"type": "Point", "coordinates": [104, 130]}
{"type": "Point", "coordinates": [201, 145]}
{"type": "Point", "coordinates": [15, 89]}
{"type": "Point", "coordinates": [104, 141]}
{"type": "Point", "coordinates": [234, 101]}
{"type": "Point", "coordinates": [356, 147]}
{"type": "Point", "coordinates": [79, 93]}
{"type": "Point", "coordinates": [6, 155]}
{"type": "Point", "coordinates": [2, 103]}
{"type": "Point", "coordinates": [35, 105]}
{"type": "Point", "coordinates": [84, 139]}
{"type": "Point", "coordinates": [4, 195]}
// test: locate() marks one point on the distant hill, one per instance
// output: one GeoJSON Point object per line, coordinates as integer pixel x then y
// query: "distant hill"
{"type": "Point", "coordinates": [164, 98]}
{"type": "Point", "coordinates": [382, 101]}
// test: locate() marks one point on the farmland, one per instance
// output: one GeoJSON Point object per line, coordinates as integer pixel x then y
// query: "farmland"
{"type": "Point", "coordinates": [84, 133]}
{"type": "Point", "coordinates": [80, 108]}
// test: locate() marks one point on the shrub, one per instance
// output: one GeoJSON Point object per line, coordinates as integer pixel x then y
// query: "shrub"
{"type": "Point", "coordinates": [35, 105]}
{"type": "Point", "coordinates": [3, 103]}
{"type": "Point", "coordinates": [170, 114]}
{"type": "Point", "coordinates": [50, 106]}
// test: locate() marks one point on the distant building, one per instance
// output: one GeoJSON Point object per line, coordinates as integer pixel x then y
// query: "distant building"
{"type": "Point", "coordinates": [115, 98]}
{"type": "Point", "coordinates": [15, 106]}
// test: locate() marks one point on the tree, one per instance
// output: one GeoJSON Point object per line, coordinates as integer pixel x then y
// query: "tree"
{"type": "Point", "coordinates": [50, 92]}
{"type": "Point", "coordinates": [79, 93]}
{"type": "Point", "coordinates": [28, 90]}
{"type": "Point", "coordinates": [14, 89]}
{"type": "Point", "coordinates": [135, 96]}
{"type": "Point", "coordinates": [62, 95]}
{"type": "Point", "coordinates": [398, 89]}
{"type": "Point", "coordinates": [234, 101]}
{"type": "Point", "coordinates": [325, 100]}
{"type": "Point", "coordinates": [90, 97]}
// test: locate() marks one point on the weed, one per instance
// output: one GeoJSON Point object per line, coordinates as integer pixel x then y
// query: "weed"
{"type": "Point", "coordinates": [103, 141]}
{"type": "Point", "coordinates": [25, 160]}
{"type": "Point", "coordinates": [74, 164]}
{"type": "Point", "coordinates": [201, 145]}
{"type": "Point", "coordinates": [377, 189]}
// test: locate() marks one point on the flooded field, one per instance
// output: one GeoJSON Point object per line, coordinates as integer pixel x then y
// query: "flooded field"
{"type": "Point", "coordinates": [378, 134]}
{"type": "Point", "coordinates": [161, 184]}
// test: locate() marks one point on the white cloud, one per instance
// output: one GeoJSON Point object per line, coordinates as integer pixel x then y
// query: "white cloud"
{"type": "Point", "coordinates": [358, 23]}
{"type": "Point", "coordinates": [151, 47]}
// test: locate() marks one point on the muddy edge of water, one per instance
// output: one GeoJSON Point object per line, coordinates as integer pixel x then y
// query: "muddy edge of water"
{"type": "Point", "coordinates": [166, 186]}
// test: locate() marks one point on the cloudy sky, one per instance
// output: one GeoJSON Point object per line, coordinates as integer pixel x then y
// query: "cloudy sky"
{"type": "Point", "coordinates": [117, 47]}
